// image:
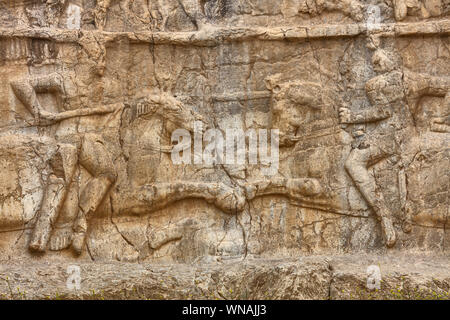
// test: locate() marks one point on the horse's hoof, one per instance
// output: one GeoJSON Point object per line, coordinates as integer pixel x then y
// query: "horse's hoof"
{"type": "Point", "coordinates": [61, 239]}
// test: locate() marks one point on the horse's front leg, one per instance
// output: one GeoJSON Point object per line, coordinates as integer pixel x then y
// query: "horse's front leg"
{"type": "Point", "coordinates": [292, 188]}
{"type": "Point", "coordinates": [157, 196]}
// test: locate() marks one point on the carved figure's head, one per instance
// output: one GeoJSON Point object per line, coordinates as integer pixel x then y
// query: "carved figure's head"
{"type": "Point", "coordinates": [355, 9]}
{"type": "Point", "coordinates": [175, 113]}
{"type": "Point", "coordinates": [383, 62]}
{"type": "Point", "coordinates": [291, 105]}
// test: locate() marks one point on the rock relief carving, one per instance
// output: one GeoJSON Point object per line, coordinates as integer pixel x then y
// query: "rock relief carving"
{"type": "Point", "coordinates": [389, 93]}
{"type": "Point", "coordinates": [86, 149]}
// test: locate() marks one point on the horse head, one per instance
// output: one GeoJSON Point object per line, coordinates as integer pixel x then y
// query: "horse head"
{"type": "Point", "coordinates": [291, 104]}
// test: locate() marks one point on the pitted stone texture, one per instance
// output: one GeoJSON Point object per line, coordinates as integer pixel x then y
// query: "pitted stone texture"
{"type": "Point", "coordinates": [93, 91]}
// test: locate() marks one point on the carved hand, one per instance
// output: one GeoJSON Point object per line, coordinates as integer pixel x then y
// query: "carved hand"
{"type": "Point", "coordinates": [439, 120]}
{"type": "Point", "coordinates": [439, 124]}
{"type": "Point", "coordinates": [45, 115]}
{"type": "Point", "coordinates": [345, 116]}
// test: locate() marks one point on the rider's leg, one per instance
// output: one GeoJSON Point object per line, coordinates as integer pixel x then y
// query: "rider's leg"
{"type": "Point", "coordinates": [63, 165]}
{"type": "Point", "coordinates": [357, 167]}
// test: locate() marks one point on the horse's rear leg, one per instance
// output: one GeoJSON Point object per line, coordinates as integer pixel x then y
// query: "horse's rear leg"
{"type": "Point", "coordinates": [63, 165]}
{"type": "Point", "coordinates": [95, 158]}
{"type": "Point", "coordinates": [61, 237]}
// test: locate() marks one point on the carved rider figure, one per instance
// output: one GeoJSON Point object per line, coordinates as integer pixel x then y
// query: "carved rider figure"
{"type": "Point", "coordinates": [86, 149]}
{"type": "Point", "coordinates": [386, 125]}
{"type": "Point", "coordinates": [385, 92]}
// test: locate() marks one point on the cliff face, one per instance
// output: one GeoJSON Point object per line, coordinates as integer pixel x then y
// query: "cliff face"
{"type": "Point", "coordinates": [117, 119]}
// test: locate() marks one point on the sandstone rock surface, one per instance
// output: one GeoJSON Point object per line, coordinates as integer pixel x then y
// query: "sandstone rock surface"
{"type": "Point", "coordinates": [114, 117]}
{"type": "Point", "coordinates": [319, 277]}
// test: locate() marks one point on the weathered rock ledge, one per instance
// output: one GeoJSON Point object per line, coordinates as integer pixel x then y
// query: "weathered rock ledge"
{"type": "Point", "coordinates": [212, 35]}
{"type": "Point", "coordinates": [338, 277]}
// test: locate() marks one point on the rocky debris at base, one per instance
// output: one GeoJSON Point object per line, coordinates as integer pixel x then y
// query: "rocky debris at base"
{"type": "Point", "coordinates": [338, 277]}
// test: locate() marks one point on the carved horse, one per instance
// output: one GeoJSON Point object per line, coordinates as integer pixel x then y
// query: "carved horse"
{"type": "Point", "coordinates": [145, 131]}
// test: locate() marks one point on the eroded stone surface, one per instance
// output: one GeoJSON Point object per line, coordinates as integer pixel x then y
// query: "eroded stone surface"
{"type": "Point", "coordinates": [93, 92]}
{"type": "Point", "coordinates": [410, 276]}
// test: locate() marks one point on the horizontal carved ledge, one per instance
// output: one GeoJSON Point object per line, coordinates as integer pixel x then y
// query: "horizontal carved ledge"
{"type": "Point", "coordinates": [214, 36]}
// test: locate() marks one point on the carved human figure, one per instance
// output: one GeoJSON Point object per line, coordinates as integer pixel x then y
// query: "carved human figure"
{"type": "Point", "coordinates": [159, 12]}
{"type": "Point", "coordinates": [389, 93]}
{"type": "Point", "coordinates": [422, 8]}
{"type": "Point", "coordinates": [100, 11]}
{"type": "Point", "coordinates": [45, 13]}
{"type": "Point", "coordinates": [352, 8]}
{"type": "Point", "coordinates": [53, 10]}
{"type": "Point", "coordinates": [60, 155]}
{"type": "Point", "coordinates": [215, 8]}
{"type": "Point", "coordinates": [85, 149]}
